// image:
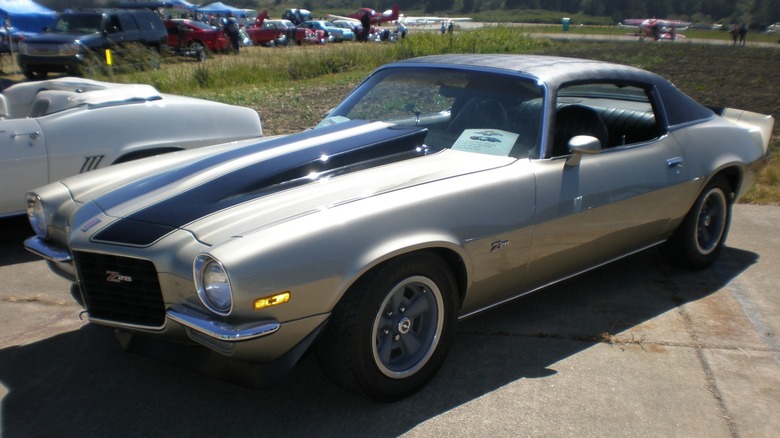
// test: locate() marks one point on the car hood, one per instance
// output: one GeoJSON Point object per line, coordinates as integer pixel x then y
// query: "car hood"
{"type": "Point", "coordinates": [57, 38]}
{"type": "Point", "coordinates": [235, 191]}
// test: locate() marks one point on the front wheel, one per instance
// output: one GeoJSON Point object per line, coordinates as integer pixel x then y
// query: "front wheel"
{"type": "Point", "coordinates": [391, 331]}
{"type": "Point", "coordinates": [698, 241]}
{"type": "Point", "coordinates": [35, 75]}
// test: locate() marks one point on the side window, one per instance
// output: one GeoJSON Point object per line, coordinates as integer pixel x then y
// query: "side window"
{"type": "Point", "coordinates": [146, 21]}
{"type": "Point", "coordinates": [114, 25]}
{"type": "Point", "coordinates": [616, 114]}
{"type": "Point", "coordinates": [128, 23]}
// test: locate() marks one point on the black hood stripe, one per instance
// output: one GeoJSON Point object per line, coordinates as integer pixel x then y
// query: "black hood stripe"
{"type": "Point", "coordinates": [324, 151]}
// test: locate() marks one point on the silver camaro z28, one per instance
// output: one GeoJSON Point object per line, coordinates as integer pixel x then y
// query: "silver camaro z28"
{"type": "Point", "coordinates": [440, 187]}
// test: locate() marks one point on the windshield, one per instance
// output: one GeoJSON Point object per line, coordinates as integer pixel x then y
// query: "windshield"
{"type": "Point", "coordinates": [470, 111]}
{"type": "Point", "coordinates": [201, 25]}
{"type": "Point", "coordinates": [77, 23]}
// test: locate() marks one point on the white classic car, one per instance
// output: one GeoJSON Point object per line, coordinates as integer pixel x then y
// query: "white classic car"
{"type": "Point", "coordinates": [53, 129]}
{"type": "Point", "coordinates": [441, 187]}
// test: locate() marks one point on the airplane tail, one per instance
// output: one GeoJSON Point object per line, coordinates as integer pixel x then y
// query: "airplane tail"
{"type": "Point", "coordinates": [261, 18]}
{"type": "Point", "coordinates": [394, 14]}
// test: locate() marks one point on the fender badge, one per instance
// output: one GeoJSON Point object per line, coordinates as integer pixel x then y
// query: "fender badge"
{"type": "Point", "coordinates": [499, 244]}
{"type": "Point", "coordinates": [89, 224]}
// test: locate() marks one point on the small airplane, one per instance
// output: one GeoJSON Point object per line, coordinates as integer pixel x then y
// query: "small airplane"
{"type": "Point", "coordinates": [655, 28]}
{"type": "Point", "coordinates": [424, 21]}
{"type": "Point", "coordinates": [376, 18]}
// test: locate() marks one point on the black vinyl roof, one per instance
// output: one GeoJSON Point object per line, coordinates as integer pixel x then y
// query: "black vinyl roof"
{"type": "Point", "coordinates": [553, 70]}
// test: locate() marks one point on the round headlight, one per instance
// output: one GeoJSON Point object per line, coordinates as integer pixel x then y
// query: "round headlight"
{"type": "Point", "coordinates": [212, 284]}
{"type": "Point", "coordinates": [37, 215]}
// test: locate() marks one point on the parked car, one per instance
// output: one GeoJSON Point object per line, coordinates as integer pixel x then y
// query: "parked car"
{"type": "Point", "coordinates": [77, 37]}
{"type": "Point", "coordinates": [195, 36]}
{"type": "Point", "coordinates": [260, 33]}
{"type": "Point", "coordinates": [367, 238]}
{"type": "Point", "coordinates": [265, 32]}
{"type": "Point", "coordinates": [352, 25]}
{"type": "Point", "coordinates": [346, 31]}
{"type": "Point", "coordinates": [332, 33]}
{"type": "Point", "coordinates": [56, 128]}
{"type": "Point", "coordinates": [773, 28]}
{"type": "Point", "coordinates": [297, 16]}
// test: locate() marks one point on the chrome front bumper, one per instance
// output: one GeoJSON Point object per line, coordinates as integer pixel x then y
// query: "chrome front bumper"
{"type": "Point", "coordinates": [60, 260]}
{"type": "Point", "coordinates": [220, 330]}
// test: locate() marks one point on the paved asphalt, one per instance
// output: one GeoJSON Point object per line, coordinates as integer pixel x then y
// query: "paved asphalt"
{"type": "Point", "coordinates": [637, 348]}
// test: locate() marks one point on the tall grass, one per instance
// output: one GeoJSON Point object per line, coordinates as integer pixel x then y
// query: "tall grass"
{"type": "Point", "coordinates": [260, 65]}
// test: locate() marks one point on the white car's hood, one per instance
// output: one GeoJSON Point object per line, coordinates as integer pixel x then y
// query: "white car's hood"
{"type": "Point", "coordinates": [238, 191]}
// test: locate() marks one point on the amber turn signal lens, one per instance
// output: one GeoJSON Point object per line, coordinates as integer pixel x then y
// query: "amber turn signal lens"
{"type": "Point", "coordinates": [274, 300]}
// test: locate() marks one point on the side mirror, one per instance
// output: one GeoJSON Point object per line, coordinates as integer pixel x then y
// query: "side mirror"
{"type": "Point", "coordinates": [582, 145]}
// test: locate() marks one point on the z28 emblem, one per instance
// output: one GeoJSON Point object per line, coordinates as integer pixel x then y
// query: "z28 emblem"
{"type": "Point", "coordinates": [116, 277]}
{"type": "Point", "coordinates": [499, 244]}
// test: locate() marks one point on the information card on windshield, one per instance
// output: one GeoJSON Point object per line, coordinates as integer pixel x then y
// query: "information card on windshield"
{"type": "Point", "coordinates": [486, 141]}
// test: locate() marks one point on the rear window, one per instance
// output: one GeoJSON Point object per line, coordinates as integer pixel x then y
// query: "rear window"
{"type": "Point", "coordinates": [681, 109]}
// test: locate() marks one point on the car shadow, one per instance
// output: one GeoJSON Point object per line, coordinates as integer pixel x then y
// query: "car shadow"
{"type": "Point", "coordinates": [15, 230]}
{"type": "Point", "coordinates": [82, 383]}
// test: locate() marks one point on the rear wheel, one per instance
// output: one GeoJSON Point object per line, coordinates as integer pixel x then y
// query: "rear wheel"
{"type": "Point", "coordinates": [698, 241]}
{"type": "Point", "coordinates": [391, 332]}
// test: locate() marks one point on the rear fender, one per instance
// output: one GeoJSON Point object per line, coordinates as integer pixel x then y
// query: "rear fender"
{"type": "Point", "coordinates": [759, 125]}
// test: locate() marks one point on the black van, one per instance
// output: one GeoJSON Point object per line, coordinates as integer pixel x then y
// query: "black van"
{"type": "Point", "coordinates": [67, 45]}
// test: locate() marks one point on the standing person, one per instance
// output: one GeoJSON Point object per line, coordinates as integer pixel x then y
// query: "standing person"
{"type": "Point", "coordinates": [742, 35]}
{"type": "Point", "coordinates": [450, 27]}
{"type": "Point", "coordinates": [231, 28]}
{"type": "Point", "coordinates": [402, 30]}
{"type": "Point", "coordinates": [365, 21]}
{"type": "Point", "coordinates": [443, 29]}
{"type": "Point", "coordinates": [656, 31]}
{"type": "Point", "coordinates": [735, 35]}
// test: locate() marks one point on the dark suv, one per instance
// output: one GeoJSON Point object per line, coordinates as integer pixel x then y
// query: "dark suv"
{"type": "Point", "coordinates": [78, 35]}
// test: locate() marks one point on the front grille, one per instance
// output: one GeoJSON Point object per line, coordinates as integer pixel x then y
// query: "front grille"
{"type": "Point", "coordinates": [120, 289]}
{"type": "Point", "coordinates": [43, 49]}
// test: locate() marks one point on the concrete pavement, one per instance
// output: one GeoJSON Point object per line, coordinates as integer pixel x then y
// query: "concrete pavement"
{"type": "Point", "coordinates": [637, 348]}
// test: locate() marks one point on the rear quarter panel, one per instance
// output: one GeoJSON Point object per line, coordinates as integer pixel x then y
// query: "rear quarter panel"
{"type": "Point", "coordinates": [718, 144]}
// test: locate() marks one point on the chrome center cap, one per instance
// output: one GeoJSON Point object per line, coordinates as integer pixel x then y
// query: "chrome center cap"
{"type": "Point", "coordinates": [404, 325]}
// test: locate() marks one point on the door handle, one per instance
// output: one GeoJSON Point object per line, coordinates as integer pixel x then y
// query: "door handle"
{"type": "Point", "coordinates": [675, 162]}
{"type": "Point", "coordinates": [33, 135]}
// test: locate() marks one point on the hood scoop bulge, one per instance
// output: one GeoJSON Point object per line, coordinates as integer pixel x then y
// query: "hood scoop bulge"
{"type": "Point", "coordinates": [334, 150]}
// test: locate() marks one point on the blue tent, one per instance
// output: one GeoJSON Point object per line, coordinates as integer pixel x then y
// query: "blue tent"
{"type": "Point", "coordinates": [26, 16]}
{"type": "Point", "coordinates": [221, 9]}
{"type": "Point", "coordinates": [173, 4]}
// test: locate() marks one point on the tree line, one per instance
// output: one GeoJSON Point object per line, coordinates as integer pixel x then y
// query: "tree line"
{"type": "Point", "coordinates": [754, 13]}
{"type": "Point", "coordinates": [758, 13]}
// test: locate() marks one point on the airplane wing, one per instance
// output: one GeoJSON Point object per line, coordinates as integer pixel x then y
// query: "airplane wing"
{"type": "Point", "coordinates": [422, 21]}
{"type": "Point", "coordinates": [340, 17]}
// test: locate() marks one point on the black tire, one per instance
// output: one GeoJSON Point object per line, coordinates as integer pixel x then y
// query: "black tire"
{"type": "Point", "coordinates": [391, 332]}
{"type": "Point", "coordinates": [196, 46]}
{"type": "Point", "coordinates": [35, 75]}
{"type": "Point", "coordinates": [699, 240]}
